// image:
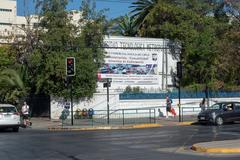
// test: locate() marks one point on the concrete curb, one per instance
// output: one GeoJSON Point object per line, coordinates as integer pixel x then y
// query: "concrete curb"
{"type": "Point", "coordinates": [199, 148]}
{"type": "Point", "coordinates": [104, 127]}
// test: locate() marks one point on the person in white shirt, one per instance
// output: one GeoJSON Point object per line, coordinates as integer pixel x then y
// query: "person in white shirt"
{"type": "Point", "coordinates": [25, 113]}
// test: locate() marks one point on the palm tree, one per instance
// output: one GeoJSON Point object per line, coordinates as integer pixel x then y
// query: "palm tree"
{"type": "Point", "coordinates": [141, 9]}
{"type": "Point", "coordinates": [11, 86]}
{"type": "Point", "coordinates": [124, 26]}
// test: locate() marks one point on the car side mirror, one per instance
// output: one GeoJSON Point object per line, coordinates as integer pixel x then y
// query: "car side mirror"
{"type": "Point", "coordinates": [225, 109]}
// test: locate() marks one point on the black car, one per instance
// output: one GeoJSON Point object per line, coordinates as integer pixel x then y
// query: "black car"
{"type": "Point", "coordinates": [220, 113]}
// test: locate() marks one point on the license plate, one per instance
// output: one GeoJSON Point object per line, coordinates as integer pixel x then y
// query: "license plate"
{"type": "Point", "coordinates": [202, 118]}
{"type": "Point", "coordinates": [7, 116]}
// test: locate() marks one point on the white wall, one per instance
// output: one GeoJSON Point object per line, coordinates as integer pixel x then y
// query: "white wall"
{"type": "Point", "coordinates": [99, 102]}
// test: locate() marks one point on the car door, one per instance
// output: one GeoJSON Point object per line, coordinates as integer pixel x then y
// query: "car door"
{"type": "Point", "coordinates": [228, 113]}
{"type": "Point", "coordinates": [237, 111]}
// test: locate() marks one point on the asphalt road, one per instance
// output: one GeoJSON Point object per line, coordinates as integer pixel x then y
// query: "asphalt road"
{"type": "Point", "coordinates": [165, 143]}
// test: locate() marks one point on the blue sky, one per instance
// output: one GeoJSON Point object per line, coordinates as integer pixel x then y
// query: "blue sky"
{"type": "Point", "coordinates": [116, 7]}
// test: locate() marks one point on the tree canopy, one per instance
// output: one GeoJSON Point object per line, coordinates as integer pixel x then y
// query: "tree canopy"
{"type": "Point", "coordinates": [39, 59]}
{"type": "Point", "coordinates": [209, 40]}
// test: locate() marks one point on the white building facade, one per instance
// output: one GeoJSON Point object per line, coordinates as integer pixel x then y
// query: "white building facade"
{"type": "Point", "coordinates": [13, 26]}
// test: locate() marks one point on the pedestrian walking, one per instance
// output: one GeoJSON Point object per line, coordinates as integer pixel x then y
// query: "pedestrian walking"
{"type": "Point", "coordinates": [25, 114]}
{"type": "Point", "coordinates": [169, 107]}
{"type": "Point", "coordinates": [202, 105]}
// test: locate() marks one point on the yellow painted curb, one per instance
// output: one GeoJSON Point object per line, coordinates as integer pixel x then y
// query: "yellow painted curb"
{"type": "Point", "coordinates": [104, 128]}
{"type": "Point", "coordinates": [214, 150]}
{"type": "Point", "coordinates": [185, 123]}
{"type": "Point", "coordinates": [146, 125]}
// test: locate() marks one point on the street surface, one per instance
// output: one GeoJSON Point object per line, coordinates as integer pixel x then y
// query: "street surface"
{"type": "Point", "coordinates": [166, 143]}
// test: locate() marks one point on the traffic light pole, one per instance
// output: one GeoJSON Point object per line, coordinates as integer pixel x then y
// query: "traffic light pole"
{"type": "Point", "coordinates": [107, 101]}
{"type": "Point", "coordinates": [179, 76]}
{"type": "Point", "coordinates": [71, 95]}
{"type": "Point", "coordinates": [70, 72]}
{"type": "Point", "coordinates": [179, 101]}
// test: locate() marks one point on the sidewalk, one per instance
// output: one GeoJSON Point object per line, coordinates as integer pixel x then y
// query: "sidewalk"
{"type": "Point", "coordinates": [228, 146]}
{"type": "Point", "coordinates": [46, 123]}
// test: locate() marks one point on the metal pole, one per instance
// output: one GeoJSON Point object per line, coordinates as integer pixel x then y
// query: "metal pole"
{"type": "Point", "coordinates": [154, 115]}
{"type": "Point", "coordinates": [71, 104]}
{"type": "Point", "coordinates": [179, 99]}
{"type": "Point", "coordinates": [107, 101]}
{"type": "Point", "coordinates": [182, 110]}
{"type": "Point", "coordinates": [123, 116]}
{"type": "Point", "coordinates": [166, 82]}
{"type": "Point", "coordinates": [150, 116]}
{"type": "Point", "coordinates": [163, 70]}
{"type": "Point", "coordinates": [207, 95]}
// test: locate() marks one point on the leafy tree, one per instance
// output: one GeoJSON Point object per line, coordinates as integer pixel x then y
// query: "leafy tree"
{"type": "Point", "coordinates": [60, 38]}
{"type": "Point", "coordinates": [229, 56]}
{"type": "Point", "coordinates": [93, 31]}
{"type": "Point", "coordinates": [7, 59]}
{"type": "Point", "coordinates": [196, 33]}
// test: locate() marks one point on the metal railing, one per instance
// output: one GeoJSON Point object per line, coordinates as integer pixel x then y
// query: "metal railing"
{"type": "Point", "coordinates": [189, 113]}
{"type": "Point", "coordinates": [184, 95]}
{"type": "Point", "coordinates": [116, 117]}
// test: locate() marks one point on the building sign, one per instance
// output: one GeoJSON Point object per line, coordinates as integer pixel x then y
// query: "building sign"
{"type": "Point", "coordinates": [132, 61]}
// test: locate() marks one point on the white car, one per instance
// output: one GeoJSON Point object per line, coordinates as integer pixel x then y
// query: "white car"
{"type": "Point", "coordinates": [9, 117]}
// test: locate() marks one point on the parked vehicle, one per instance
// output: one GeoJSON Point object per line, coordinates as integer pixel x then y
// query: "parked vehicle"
{"type": "Point", "coordinates": [220, 113]}
{"type": "Point", "coordinates": [9, 117]}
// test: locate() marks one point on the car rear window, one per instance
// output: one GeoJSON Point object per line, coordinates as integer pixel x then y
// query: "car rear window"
{"type": "Point", "coordinates": [7, 109]}
{"type": "Point", "coordinates": [237, 106]}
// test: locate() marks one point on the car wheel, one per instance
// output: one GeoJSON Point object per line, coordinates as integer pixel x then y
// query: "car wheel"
{"type": "Point", "coordinates": [16, 129]}
{"type": "Point", "coordinates": [219, 121]}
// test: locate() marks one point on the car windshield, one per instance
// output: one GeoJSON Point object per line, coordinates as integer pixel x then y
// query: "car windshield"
{"type": "Point", "coordinates": [216, 106]}
{"type": "Point", "coordinates": [7, 109]}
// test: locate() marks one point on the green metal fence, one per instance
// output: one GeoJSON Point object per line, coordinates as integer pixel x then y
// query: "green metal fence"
{"type": "Point", "coordinates": [116, 117]}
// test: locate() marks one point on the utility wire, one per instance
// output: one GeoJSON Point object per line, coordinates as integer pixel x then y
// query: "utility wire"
{"type": "Point", "coordinates": [105, 47]}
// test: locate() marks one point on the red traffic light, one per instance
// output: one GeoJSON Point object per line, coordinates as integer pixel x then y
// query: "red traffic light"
{"type": "Point", "coordinates": [70, 66]}
{"type": "Point", "coordinates": [70, 60]}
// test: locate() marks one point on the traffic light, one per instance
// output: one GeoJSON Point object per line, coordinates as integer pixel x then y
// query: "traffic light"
{"type": "Point", "coordinates": [176, 81]}
{"type": "Point", "coordinates": [70, 66]}
{"type": "Point", "coordinates": [106, 84]}
{"type": "Point", "coordinates": [179, 69]}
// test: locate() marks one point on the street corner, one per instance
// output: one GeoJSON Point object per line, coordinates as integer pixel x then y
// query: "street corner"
{"type": "Point", "coordinates": [226, 147]}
